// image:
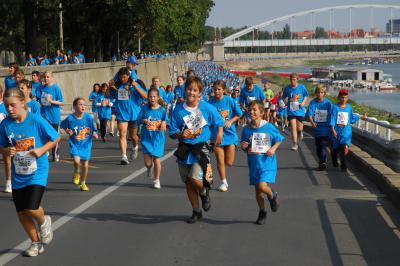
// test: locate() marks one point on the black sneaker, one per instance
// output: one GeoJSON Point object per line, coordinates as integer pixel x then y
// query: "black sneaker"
{"type": "Point", "coordinates": [335, 164]}
{"type": "Point", "coordinates": [274, 203]}
{"type": "Point", "coordinates": [111, 134]}
{"type": "Point", "coordinates": [322, 167]}
{"type": "Point", "coordinates": [195, 217]}
{"type": "Point", "coordinates": [262, 216]}
{"type": "Point", "coordinates": [206, 200]}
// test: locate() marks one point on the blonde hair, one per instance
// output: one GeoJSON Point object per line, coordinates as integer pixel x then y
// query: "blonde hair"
{"type": "Point", "coordinates": [16, 92]}
{"type": "Point", "coordinates": [320, 88]}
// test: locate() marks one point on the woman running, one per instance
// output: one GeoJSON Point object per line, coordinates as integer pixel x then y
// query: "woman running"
{"type": "Point", "coordinates": [26, 137]}
{"type": "Point", "coordinates": [92, 98]}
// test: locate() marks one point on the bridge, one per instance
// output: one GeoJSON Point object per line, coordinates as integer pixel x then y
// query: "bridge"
{"type": "Point", "coordinates": [234, 41]}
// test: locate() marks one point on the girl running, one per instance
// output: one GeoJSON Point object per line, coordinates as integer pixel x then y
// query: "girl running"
{"type": "Point", "coordinates": [51, 100]}
{"type": "Point", "coordinates": [129, 97]}
{"type": "Point", "coordinates": [10, 81]}
{"type": "Point", "coordinates": [6, 159]}
{"type": "Point", "coordinates": [230, 112]}
{"type": "Point", "coordinates": [155, 120]}
{"type": "Point", "coordinates": [260, 140]}
{"type": "Point", "coordinates": [282, 112]}
{"type": "Point", "coordinates": [81, 129]}
{"type": "Point", "coordinates": [191, 124]}
{"type": "Point", "coordinates": [92, 98]}
{"type": "Point", "coordinates": [26, 137]}
{"type": "Point", "coordinates": [33, 106]}
{"type": "Point", "coordinates": [104, 104]}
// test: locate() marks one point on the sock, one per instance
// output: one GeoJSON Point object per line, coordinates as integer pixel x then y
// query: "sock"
{"type": "Point", "coordinates": [225, 182]}
{"type": "Point", "coordinates": [76, 171]}
{"type": "Point", "coordinates": [8, 182]}
{"type": "Point", "coordinates": [196, 210]}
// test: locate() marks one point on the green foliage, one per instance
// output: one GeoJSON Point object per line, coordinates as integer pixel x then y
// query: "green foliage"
{"type": "Point", "coordinates": [320, 33]}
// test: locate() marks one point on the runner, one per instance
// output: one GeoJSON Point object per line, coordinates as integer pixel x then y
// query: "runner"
{"type": "Point", "coordinates": [230, 112]}
{"type": "Point", "coordinates": [92, 98]}
{"type": "Point", "coordinates": [295, 96]}
{"type": "Point", "coordinates": [155, 120]}
{"type": "Point", "coordinates": [51, 100]}
{"type": "Point", "coordinates": [179, 90]}
{"type": "Point", "coordinates": [248, 94]}
{"type": "Point", "coordinates": [128, 98]}
{"type": "Point", "coordinates": [26, 138]}
{"type": "Point", "coordinates": [191, 124]}
{"type": "Point", "coordinates": [273, 107]}
{"type": "Point", "coordinates": [318, 113]}
{"type": "Point", "coordinates": [33, 106]}
{"type": "Point", "coordinates": [6, 159]}
{"type": "Point", "coordinates": [35, 84]}
{"type": "Point", "coordinates": [156, 82]}
{"type": "Point", "coordinates": [282, 112]}
{"type": "Point", "coordinates": [260, 140]}
{"type": "Point", "coordinates": [268, 96]}
{"type": "Point", "coordinates": [342, 117]}
{"type": "Point", "coordinates": [170, 98]}
{"type": "Point", "coordinates": [104, 105]}
{"type": "Point", "coordinates": [81, 129]}
{"type": "Point", "coordinates": [10, 81]}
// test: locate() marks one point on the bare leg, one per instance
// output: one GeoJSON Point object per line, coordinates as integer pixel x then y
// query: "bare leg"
{"type": "Point", "coordinates": [122, 128]}
{"type": "Point", "coordinates": [85, 170]}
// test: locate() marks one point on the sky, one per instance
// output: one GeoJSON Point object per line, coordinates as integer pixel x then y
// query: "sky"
{"type": "Point", "coordinates": [238, 13]}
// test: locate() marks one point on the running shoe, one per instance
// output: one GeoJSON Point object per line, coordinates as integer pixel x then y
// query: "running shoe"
{"type": "Point", "coordinates": [156, 184]}
{"type": "Point", "coordinates": [274, 203]}
{"type": "Point", "coordinates": [134, 153]}
{"type": "Point", "coordinates": [8, 188]}
{"type": "Point", "coordinates": [46, 233]}
{"type": "Point", "coordinates": [262, 216]}
{"type": "Point", "coordinates": [56, 158]}
{"type": "Point", "coordinates": [195, 217]}
{"type": "Point", "coordinates": [76, 178]}
{"type": "Point", "coordinates": [150, 172]}
{"type": "Point", "coordinates": [84, 187]}
{"type": "Point", "coordinates": [335, 163]}
{"type": "Point", "coordinates": [322, 167]}
{"type": "Point", "coordinates": [294, 147]}
{"type": "Point", "coordinates": [112, 134]}
{"type": "Point", "coordinates": [223, 187]}
{"type": "Point", "coordinates": [36, 248]}
{"type": "Point", "coordinates": [206, 200]}
{"type": "Point", "coordinates": [124, 160]}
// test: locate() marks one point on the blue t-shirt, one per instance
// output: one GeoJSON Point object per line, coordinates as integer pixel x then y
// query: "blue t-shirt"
{"type": "Point", "coordinates": [320, 112]}
{"type": "Point", "coordinates": [227, 108]}
{"type": "Point", "coordinates": [341, 119]}
{"type": "Point", "coordinates": [33, 132]}
{"type": "Point", "coordinates": [162, 94]}
{"type": "Point", "coordinates": [80, 143]}
{"type": "Point", "coordinates": [33, 107]}
{"type": "Point", "coordinates": [246, 97]}
{"type": "Point", "coordinates": [35, 89]}
{"type": "Point", "coordinates": [262, 168]}
{"type": "Point", "coordinates": [200, 120]}
{"type": "Point", "coordinates": [9, 82]}
{"type": "Point", "coordinates": [51, 112]}
{"type": "Point", "coordinates": [104, 112]}
{"type": "Point", "coordinates": [133, 76]}
{"type": "Point", "coordinates": [92, 97]}
{"type": "Point", "coordinates": [31, 62]}
{"type": "Point", "coordinates": [282, 107]}
{"type": "Point", "coordinates": [170, 97]}
{"type": "Point", "coordinates": [3, 111]}
{"type": "Point", "coordinates": [179, 92]}
{"type": "Point", "coordinates": [295, 97]}
{"type": "Point", "coordinates": [127, 103]}
{"type": "Point", "coordinates": [151, 137]}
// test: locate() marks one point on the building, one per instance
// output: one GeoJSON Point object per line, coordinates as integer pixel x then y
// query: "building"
{"type": "Point", "coordinates": [304, 35]}
{"type": "Point", "coordinates": [358, 74]}
{"type": "Point", "coordinates": [396, 26]}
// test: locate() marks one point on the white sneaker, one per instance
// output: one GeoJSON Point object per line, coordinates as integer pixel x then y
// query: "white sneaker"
{"type": "Point", "coordinates": [223, 187]}
{"type": "Point", "coordinates": [46, 233]}
{"type": "Point", "coordinates": [156, 184]}
{"type": "Point", "coordinates": [36, 248]}
{"type": "Point", "coordinates": [294, 147]}
{"type": "Point", "coordinates": [150, 172]}
{"type": "Point", "coordinates": [124, 160]}
{"type": "Point", "coordinates": [134, 153]}
{"type": "Point", "coordinates": [8, 188]}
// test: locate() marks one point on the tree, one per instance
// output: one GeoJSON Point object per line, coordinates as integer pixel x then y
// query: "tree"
{"type": "Point", "coordinates": [320, 33]}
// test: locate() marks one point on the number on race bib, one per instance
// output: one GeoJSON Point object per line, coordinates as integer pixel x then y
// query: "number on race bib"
{"type": "Point", "coordinates": [260, 143]}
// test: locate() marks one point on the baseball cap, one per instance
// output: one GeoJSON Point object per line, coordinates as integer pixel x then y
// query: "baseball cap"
{"type": "Point", "coordinates": [132, 59]}
{"type": "Point", "coordinates": [343, 92]}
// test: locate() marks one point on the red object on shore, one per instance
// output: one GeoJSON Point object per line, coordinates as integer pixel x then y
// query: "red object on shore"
{"type": "Point", "coordinates": [269, 73]}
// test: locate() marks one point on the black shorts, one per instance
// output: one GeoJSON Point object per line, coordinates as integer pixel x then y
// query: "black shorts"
{"type": "Point", "coordinates": [131, 124]}
{"type": "Point", "coordinates": [298, 118]}
{"type": "Point", "coordinates": [28, 198]}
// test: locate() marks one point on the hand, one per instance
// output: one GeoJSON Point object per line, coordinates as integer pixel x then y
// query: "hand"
{"type": "Point", "coordinates": [228, 124]}
{"type": "Point", "coordinates": [95, 135]}
{"type": "Point", "coordinates": [334, 134]}
{"type": "Point", "coordinates": [364, 116]}
{"type": "Point", "coordinates": [270, 152]}
{"type": "Point", "coordinates": [244, 145]}
{"type": "Point", "coordinates": [313, 124]}
{"type": "Point", "coordinates": [35, 153]}
{"type": "Point", "coordinates": [146, 121]}
{"type": "Point", "coordinates": [111, 82]}
{"type": "Point", "coordinates": [49, 99]}
{"type": "Point", "coordinates": [69, 131]}
{"type": "Point", "coordinates": [10, 151]}
{"type": "Point", "coordinates": [163, 126]}
{"type": "Point", "coordinates": [134, 84]}
{"type": "Point", "coordinates": [218, 140]}
{"type": "Point", "coordinates": [187, 134]}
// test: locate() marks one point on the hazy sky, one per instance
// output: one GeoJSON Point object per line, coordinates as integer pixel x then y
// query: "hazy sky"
{"type": "Point", "coordinates": [238, 13]}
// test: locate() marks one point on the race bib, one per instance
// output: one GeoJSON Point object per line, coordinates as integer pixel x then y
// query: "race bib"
{"type": "Point", "coordinates": [321, 116]}
{"type": "Point", "coordinates": [24, 163]}
{"type": "Point", "coordinates": [44, 99]}
{"type": "Point", "coordinates": [2, 116]}
{"type": "Point", "coordinates": [251, 99]}
{"type": "Point", "coordinates": [294, 106]}
{"type": "Point", "coordinates": [282, 104]}
{"type": "Point", "coordinates": [272, 107]}
{"type": "Point", "coordinates": [260, 143]}
{"type": "Point", "coordinates": [195, 121]}
{"type": "Point", "coordinates": [342, 118]}
{"type": "Point", "coordinates": [123, 95]}
{"type": "Point", "coordinates": [266, 105]}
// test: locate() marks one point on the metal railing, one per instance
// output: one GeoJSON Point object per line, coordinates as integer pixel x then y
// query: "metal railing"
{"type": "Point", "coordinates": [381, 129]}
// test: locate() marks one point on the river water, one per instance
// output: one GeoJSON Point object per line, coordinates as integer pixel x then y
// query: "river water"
{"type": "Point", "coordinates": [382, 100]}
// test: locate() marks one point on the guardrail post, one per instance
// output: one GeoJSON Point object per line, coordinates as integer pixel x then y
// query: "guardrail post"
{"type": "Point", "coordinates": [376, 126]}
{"type": "Point", "coordinates": [366, 126]}
{"type": "Point", "coordinates": [388, 131]}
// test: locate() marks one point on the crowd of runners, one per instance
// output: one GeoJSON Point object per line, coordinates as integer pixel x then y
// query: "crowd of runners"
{"type": "Point", "coordinates": [209, 110]}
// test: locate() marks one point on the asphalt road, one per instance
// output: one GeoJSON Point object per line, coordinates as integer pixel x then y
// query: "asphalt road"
{"type": "Point", "coordinates": [326, 218]}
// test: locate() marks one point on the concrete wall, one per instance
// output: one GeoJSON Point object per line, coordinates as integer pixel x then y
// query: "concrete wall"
{"type": "Point", "coordinates": [77, 80]}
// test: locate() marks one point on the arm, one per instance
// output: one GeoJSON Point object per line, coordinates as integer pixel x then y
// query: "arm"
{"type": "Point", "coordinates": [139, 89]}
{"type": "Point", "coordinates": [37, 152]}
{"type": "Point", "coordinates": [272, 150]}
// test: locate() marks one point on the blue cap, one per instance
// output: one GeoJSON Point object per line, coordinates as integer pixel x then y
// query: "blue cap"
{"type": "Point", "coordinates": [132, 59]}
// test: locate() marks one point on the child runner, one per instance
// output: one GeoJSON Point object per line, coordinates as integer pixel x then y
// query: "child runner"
{"type": "Point", "coordinates": [261, 140]}
{"type": "Point", "coordinates": [33, 106]}
{"type": "Point", "coordinates": [318, 113]}
{"type": "Point", "coordinates": [10, 81]}
{"type": "Point", "coordinates": [128, 98]}
{"type": "Point", "coordinates": [6, 159]}
{"type": "Point", "coordinates": [179, 90]}
{"type": "Point", "coordinates": [191, 124]}
{"type": "Point", "coordinates": [230, 112]}
{"type": "Point", "coordinates": [341, 119]}
{"type": "Point", "coordinates": [92, 98]}
{"type": "Point", "coordinates": [273, 106]}
{"type": "Point", "coordinates": [295, 96]}
{"type": "Point", "coordinates": [112, 95]}
{"type": "Point", "coordinates": [51, 100]}
{"type": "Point", "coordinates": [155, 120]}
{"type": "Point", "coordinates": [268, 96]}
{"type": "Point", "coordinates": [81, 129]}
{"type": "Point", "coordinates": [35, 84]}
{"type": "Point", "coordinates": [26, 138]}
{"type": "Point", "coordinates": [248, 94]}
{"type": "Point", "coordinates": [104, 104]}
{"type": "Point", "coordinates": [282, 112]}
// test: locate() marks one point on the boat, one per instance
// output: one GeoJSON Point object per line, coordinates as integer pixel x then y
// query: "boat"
{"type": "Point", "coordinates": [388, 87]}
